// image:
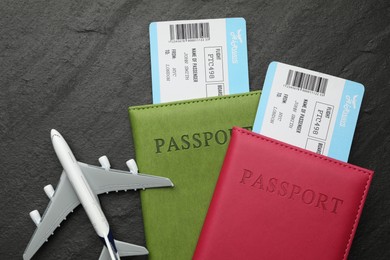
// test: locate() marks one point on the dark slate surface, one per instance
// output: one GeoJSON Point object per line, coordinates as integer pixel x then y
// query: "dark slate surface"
{"type": "Point", "coordinates": [77, 65]}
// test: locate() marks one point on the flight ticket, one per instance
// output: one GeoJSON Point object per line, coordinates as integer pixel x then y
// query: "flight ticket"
{"type": "Point", "coordinates": [198, 58]}
{"type": "Point", "coordinates": [312, 110]}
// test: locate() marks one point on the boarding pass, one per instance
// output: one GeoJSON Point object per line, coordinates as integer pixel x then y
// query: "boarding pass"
{"type": "Point", "coordinates": [309, 109]}
{"type": "Point", "coordinates": [198, 58]}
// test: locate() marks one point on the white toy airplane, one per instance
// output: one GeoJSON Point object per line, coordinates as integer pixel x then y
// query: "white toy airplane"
{"type": "Point", "coordinates": [81, 183]}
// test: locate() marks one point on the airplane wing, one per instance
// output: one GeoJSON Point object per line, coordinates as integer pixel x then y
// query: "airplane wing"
{"type": "Point", "coordinates": [61, 204]}
{"type": "Point", "coordinates": [102, 180]}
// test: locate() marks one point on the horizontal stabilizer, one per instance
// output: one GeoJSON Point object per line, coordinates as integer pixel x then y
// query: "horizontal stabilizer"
{"type": "Point", "coordinates": [124, 249]}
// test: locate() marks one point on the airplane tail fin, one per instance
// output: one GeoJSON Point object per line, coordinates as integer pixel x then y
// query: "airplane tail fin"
{"type": "Point", "coordinates": [123, 249]}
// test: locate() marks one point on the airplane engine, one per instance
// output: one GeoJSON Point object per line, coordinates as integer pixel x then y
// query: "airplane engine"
{"type": "Point", "coordinates": [132, 166]}
{"type": "Point", "coordinates": [49, 190]}
{"type": "Point", "coordinates": [104, 162]}
{"type": "Point", "coordinates": [36, 217]}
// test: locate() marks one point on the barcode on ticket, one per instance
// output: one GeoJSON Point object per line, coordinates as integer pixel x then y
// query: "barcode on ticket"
{"type": "Point", "coordinates": [189, 32]}
{"type": "Point", "coordinates": [306, 82]}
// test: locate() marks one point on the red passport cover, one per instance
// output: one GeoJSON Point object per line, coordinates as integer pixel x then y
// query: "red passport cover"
{"type": "Point", "coordinates": [277, 201]}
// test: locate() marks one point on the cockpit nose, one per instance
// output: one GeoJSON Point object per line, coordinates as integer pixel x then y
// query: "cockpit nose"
{"type": "Point", "coordinates": [53, 133]}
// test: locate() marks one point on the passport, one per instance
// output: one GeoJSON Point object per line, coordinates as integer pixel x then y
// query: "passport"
{"type": "Point", "coordinates": [277, 201]}
{"type": "Point", "coordinates": [185, 141]}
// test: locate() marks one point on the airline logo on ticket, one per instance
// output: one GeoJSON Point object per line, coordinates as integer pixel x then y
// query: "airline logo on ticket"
{"type": "Point", "coordinates": [198, 58]}
{"type": "Point", "coordinates": [312, 110]}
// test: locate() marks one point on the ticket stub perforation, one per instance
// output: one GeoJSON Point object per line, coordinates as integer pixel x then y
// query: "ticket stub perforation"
{"type": "Point", "coordinates": [198, 58]}
{"type": "Point", "coordinates": [309, 109]}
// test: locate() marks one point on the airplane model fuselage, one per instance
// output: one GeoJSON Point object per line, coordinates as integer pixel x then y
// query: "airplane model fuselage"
{"type": "Point", "coordinates": [80, 183]}
{"type": "Point", "coordinates": [84, 192]}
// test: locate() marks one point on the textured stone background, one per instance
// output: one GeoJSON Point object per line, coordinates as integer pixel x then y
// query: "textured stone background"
{"type": "Point", "coordinates": [77, 65]}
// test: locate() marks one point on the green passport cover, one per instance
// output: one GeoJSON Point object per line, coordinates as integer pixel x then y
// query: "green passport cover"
{"type": "Point", "coordinates": [185, 141]}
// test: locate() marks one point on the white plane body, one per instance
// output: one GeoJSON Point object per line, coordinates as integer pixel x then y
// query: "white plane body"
{"type": "Point", "coordinates": [87, 198]}
{"type": "Point", "coordinates": [81, 183]}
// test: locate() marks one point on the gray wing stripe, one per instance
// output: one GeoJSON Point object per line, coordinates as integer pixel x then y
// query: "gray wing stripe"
{"type": "Point", "coordinates": [102, 180]}
{"type": "Point", "coordinates": [63, 202]}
